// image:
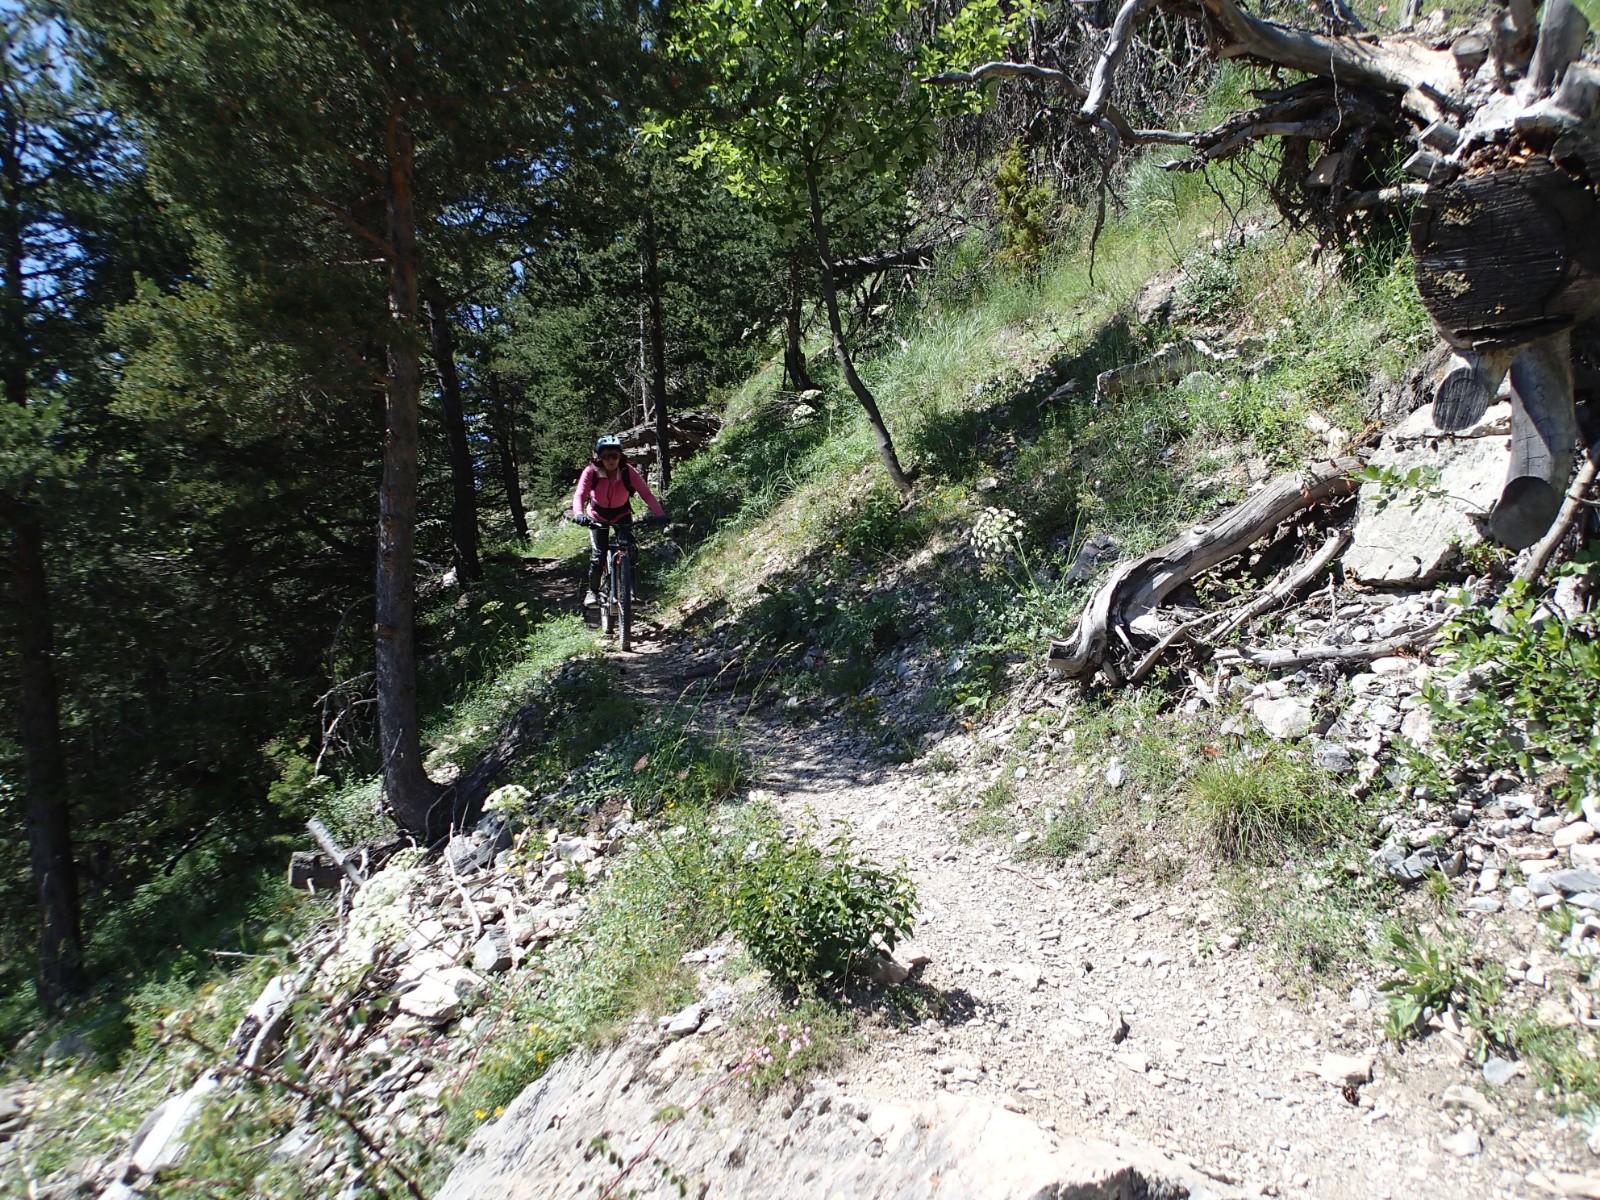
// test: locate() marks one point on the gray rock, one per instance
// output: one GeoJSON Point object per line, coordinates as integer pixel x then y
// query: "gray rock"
{"type": "Point", "coordinates": [1096, 552]}
{"type": "Point", "coordinates": [1285, 719]}
{"type": "Point", "coordinates": [493, 951]}
{"type": "Point", "coordinates": [469, 852]}
{"type": "Point", "coordinates": [1116, 774]}
{"type": "Point", "coordinates": [1410, 536]}
{"type": "Point", "coordinates": [1333, 758]}
{"type": "Point", "coordinates": [683, 1022]}
{"type": "Point", "coordinates": [1464, 1144]}
{"type": "Point", "coordinates": [1343, 1070]}
{"type": "Point", "coordinates": [823, 1144]}
{"type": "Point", "coordinates": [1395, 862]}
{"type": "Point", "coordinates": [1497, 1072]}
{"type": "Point", "coordinates": [1459, 1095]}
{"type": "Point", "coordinates": [438, 997]}
{"type": "Point", "coordinates": [1568, 883]}
{"type": "Point", "coordinates": [1153, 302]}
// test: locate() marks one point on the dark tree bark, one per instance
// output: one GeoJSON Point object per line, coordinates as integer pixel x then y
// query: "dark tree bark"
{"type": "Point", "coordinates": [658, 350]}
{"type": "Point", "coordinates": [408, 792]}
{"type": "Point", "coordinates": [830, 298]}
{"type": "Point", "coordinates": [463, 488]}
{"type": "Point", "coordinates": [44, 783]}
{"type": "Point", "coordinates": [794, 355]}
{"type": "Point", "coordinates": [503, 428]}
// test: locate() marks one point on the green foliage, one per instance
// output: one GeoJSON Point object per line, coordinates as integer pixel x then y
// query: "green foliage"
{"type": "Point", "coordinates": [1248, 807]}
{"type": "Point", "coordinates": [1435, 974]}
{"type": "Point", "coordinates": [1024, 208]}
{"type": "Point", "coordinates": [795, 1038]}
{"type": "Point", "coordinates": [824, 92]}
{"type": "Point", "coordinates": [812, 915]}
{"type": "Point", "coordinates": [1535, 676]}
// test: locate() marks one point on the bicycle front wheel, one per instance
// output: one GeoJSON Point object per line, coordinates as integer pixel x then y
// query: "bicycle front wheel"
{"type": "Point", "coordinates": [625, 603]}
{"type": "Point", "coordinates": [605, 605]}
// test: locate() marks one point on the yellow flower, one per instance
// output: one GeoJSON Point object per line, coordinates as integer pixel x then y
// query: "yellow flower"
{"type": "Point", "coordinates": [479, 1113]}
{"type": "Point", "coordinates": [499, 1109]}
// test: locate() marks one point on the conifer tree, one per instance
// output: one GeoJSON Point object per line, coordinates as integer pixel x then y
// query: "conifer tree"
{"type": "Point", "coordinates": [355, 131]}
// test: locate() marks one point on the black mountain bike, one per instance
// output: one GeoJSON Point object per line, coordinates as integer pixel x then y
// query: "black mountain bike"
{"type": "Point", "coordinates": [616, 584]}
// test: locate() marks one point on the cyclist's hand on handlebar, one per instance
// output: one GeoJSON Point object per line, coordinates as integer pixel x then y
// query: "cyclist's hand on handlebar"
{"type": "Point", "coordinates": [585, 521]}
{"type": "Point", "coordinates": [652, 520]}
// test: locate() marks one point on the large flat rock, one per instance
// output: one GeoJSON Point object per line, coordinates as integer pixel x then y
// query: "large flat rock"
{"type": "Point", "coordinates": [1407, 536]}
{"type": "Point", "coordinates": [822, 1144]}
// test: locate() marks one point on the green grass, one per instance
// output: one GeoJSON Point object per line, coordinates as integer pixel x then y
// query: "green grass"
{"type": "Point", "coordinates": [1259, 806]}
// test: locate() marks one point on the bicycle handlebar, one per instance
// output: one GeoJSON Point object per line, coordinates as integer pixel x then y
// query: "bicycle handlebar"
{"type": "Point", "coordinates": [648, 522]}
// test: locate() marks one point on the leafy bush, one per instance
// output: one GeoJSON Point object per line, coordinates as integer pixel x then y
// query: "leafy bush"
{"type": "Point", "coordinates": [1537, 675]}
{"type": "Point", "coordinates": [811, 915]}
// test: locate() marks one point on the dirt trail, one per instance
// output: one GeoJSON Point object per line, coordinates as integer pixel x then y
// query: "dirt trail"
{"type": "Point", "coordinates": [1106, 1010]}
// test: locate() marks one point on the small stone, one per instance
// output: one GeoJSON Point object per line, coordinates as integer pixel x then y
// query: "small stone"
{"type": "Point", "coordinates": [886, 970]}
{"type": "Point", "coordinates": [1417, 725]}
{"type": "Point", "coordinates": [1343, 1070]}
{"type": "Point", "coordinates": [492, 953]}
{"type": "Point", "coordinates": [1464, 1144]}
{"type": "Point", "coordinates": [1560, 1183]}
{"type": "Point", "coordinates": [1459, 1095]}
{"type": "Point", "coordinates": [1549, 825]}
{"type": "Point", "coordinates": [683, 1022]}
{"type": "Point", "coordinates": [1133, 1061]}
{"type": "Point", "coordinates": [1497, 1072]}
{"type": "Point", "coordinates": [1285, 719]}
{"type": "Point", "coordinates": [1333, 757]}
{"type": "Point", "coordinates": [1116, 774]}
{"type": "Point", "coordinates": [1575, 834]}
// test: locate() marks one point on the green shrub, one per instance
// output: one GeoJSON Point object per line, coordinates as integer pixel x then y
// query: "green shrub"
{"type": "Point", "coordinates": [1537, 676]}
{"type": "Point", "coordinates": [811, 916]}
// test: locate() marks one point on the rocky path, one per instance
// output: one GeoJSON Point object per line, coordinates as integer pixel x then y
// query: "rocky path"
{"type": "Point", "coordinates": [1102, 1009]}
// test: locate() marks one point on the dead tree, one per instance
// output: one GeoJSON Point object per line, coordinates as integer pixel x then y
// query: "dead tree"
{"type": "Point", "coordinates": [1503, 131]}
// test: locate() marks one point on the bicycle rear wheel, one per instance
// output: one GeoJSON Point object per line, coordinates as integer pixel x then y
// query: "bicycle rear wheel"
{"type": "Point", "coordinates": [625, 602]}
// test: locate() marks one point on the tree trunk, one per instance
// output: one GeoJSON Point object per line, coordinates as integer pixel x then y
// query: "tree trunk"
{"type": "Point", "coordinates": [408, 792]}
{"type": "Point", "coordinates": [44, 780]}
{"type": "Point", "coordinates": [44, 769]}
{"type": "Point", "coordinates": [794, 355]}
{"type": "Point", "coordinates": [658, 351]}
{"type": "Point", "coordinates": [503, 425]}
{"type": "Point", "coordinates": [830, 297]}
{"type": "Point", "coordinates": [464, 492]}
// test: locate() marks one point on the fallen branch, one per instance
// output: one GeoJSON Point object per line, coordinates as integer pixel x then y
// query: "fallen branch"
{"type": "Point", "coordinates": [1139, 586]}
{"type": "Point", "coordinates": [1289, 657]}
{"type": "Point", "coordinates": [1288, 583]}
{"type": "Point", "coordinates": [1281, 589]}
{"type": "Point", "coordinates": [1577, 500]}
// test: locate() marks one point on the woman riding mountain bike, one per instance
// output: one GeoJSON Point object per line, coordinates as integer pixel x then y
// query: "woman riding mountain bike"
{"type": "Point", "coordinates": [605, 497]}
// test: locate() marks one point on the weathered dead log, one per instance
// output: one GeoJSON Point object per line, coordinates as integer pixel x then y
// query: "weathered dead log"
{"type": "Point", "coordinates": [1576, 502]}
{"type": "Point", "coordinates": [1138, 587]}
{"type": "Point", "coordinates": [318, 871]}
{"type": "Point", "coordinates": [1511, 253]}
{"type": "Point", "coordinates": [1544, 439]}
{"type": "Point", "coordinates": [687, 433]}
{"type": "Point", "coordinates": [1289, 658]}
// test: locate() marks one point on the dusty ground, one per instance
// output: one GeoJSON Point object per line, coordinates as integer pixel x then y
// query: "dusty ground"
{"type": "Point", "coordinates": [1038, 968]}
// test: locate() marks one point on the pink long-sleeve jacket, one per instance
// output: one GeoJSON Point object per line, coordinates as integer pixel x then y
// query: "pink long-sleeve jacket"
{"type": "Point", "coordinates": [605, 497]}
